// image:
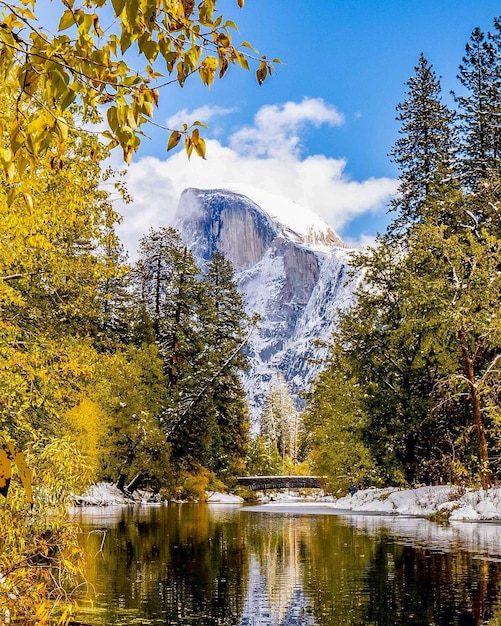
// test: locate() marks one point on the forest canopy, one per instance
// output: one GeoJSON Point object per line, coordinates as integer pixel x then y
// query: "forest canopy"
{"type": "Point", "coordinates": [88, 383]}
{"type": "Point", "coordinates": [413, 383]}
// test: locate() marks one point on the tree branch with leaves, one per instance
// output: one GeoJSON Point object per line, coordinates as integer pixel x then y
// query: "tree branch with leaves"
{"type": "Point", "coordinates": [87, 62]}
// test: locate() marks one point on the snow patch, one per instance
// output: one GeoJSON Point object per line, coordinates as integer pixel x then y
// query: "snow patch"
{"type": "Point", "coordinates": [223, 498]}
{"type": "Point", "coordinates": [472, 505]}
{"type": "Point", "coordinates": [301, 224]}
{"type": "Point", "coordinates": [456, 503]}
{"type": "Point", "coordinates": [107, 494]}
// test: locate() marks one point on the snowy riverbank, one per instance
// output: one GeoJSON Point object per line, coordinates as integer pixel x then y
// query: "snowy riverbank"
{"type": "Point", "coordinates": [440, 502]}
{"type": "Point", "coordinates": [107, 494]}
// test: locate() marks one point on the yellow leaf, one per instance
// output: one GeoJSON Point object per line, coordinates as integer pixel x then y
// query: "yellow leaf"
{"type": "Point", "coordinates": [5, 472]}
{"type": "Point", "coordinates": [174, 139]}
{"type": "Point", "coordinates": [188, 6]}
{"type": "Point", "coordinates": [67, 20]}
{"type": "Point", "coordinates": [200, 147]}
{"type": "Point", "coordinates": [62, 129]}
{"type": "Point", "coordinates": [208, 70]}
{"type": "Point", "coordinates": [9, 454]}
{"type": "Point", "coordinates": [262, 72]}
{"type": "Point", "coordinates": [118, 6]}
{"type": "Point", "coordinates": [28, 199]}
{"type": "Point", "coordinates": [10, 171]}
{"type": "Point", "coordinates": [25, 474]}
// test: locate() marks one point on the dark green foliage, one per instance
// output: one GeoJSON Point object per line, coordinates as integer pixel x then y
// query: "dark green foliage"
{"type": "Point", "coordinates": [480, 107]}
{"type": "Point", "coordinates": [425, 149]}
{"type": "Point", "coordinates": [132, 391]}
{"type": "Point", "coordinates": [199, 324]}
{"type": "Point", "coordinates": [335, 423]}
{"type": "Point", "coordinates": [415, 364]}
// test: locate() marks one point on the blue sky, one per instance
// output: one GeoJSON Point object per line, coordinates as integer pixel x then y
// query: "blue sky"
{"type": "Point", "coordinates": [321, 128]}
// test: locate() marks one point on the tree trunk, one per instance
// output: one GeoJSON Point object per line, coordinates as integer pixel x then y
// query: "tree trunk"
{"type": "Point", "coordinates": [485, 472]}
{"type": "Point", "coordinates": [121, 482]}
{"type": "Point", "coordinates": [134, 483]}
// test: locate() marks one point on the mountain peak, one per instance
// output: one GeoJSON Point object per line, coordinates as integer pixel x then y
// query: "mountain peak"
{"type": "Point", "coordinates": [289, 219]}
{"type": "Point", "coordinates": [290, 268]}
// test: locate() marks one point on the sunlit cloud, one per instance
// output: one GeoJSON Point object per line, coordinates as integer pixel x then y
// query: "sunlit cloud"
{"type": "Point", "coordinates": [266, 155]}
{"type": "Point", "coordinates": [204, 114]}
{"type": "Point", "coordinates": [276, 129]}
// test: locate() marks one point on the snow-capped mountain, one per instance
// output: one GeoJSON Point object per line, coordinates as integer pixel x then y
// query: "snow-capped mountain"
{"type": "Point", "coordinates": [291, 269]}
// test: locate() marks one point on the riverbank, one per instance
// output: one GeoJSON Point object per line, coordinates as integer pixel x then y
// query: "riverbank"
{"type": "Point", "coordinates": [441, 502]}
{"type": "Point", "coordinates": [107, 494]}
{"type": "Point", "coordinates": [436, 502]}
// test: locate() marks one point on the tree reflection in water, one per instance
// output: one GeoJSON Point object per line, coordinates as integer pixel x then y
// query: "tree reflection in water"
{"type": "Point", "coordinates": [212, 565]}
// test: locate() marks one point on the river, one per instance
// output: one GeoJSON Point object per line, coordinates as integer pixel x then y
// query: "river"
{"type": "Point", "coordinates": [223, 565]}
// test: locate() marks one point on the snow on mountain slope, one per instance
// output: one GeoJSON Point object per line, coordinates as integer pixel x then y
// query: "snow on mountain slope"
{"type": "Point", "coordinates": [291, 269]}
{"type": "Point", "coordinates": [295, 221]}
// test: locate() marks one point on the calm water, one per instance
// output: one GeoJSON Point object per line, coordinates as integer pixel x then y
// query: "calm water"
{"type": "Point", "coordinates": [208, 565]}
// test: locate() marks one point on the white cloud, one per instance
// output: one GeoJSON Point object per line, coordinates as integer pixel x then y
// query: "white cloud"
{"type": "Point", "coordinates": [266, 156]}
{"type": "Point", "coordinates": [276, 128]}
{"type": "Point", "coordinates": [203, 114]}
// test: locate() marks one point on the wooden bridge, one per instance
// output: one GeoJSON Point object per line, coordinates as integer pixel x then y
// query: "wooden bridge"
{"type": "Point", "coordinates": [261, 483]}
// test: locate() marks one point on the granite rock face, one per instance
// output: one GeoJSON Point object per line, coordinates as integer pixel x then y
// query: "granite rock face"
{"type": "Point", "coordinates": [291, 269]}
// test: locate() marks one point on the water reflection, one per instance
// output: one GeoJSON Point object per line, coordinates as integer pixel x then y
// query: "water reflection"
{"type": "Point", "coordinates": [215, 565]}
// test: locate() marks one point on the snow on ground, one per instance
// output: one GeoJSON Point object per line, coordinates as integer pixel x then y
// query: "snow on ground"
{"type": "Point", "coordinates": [223, 498]}
{"type": "Point", "coordinates": [103, 494]}
{"type": "Point", "coordinates": [454, 503]}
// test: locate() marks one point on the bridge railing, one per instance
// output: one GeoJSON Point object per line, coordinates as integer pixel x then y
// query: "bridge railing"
{"type": "Point", "coordinates": [262, 483]}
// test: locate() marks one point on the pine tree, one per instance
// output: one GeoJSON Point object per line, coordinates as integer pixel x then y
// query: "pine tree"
{"type": "Point", "coordinates": [335, 423]}
{"type": "Point", "coordinates": [199, 324]}
{"type": "Point", "coordinates": [480, 109]}
{"type": "Point", "coordinates": [280, 423]}
{"type": "Point", "coordinates": [423, 153]}
{"type": "Point", "coordinates": [119, 311]}
{"type": "Point", "coordinates": [422, 342]}
{"type": "Point", "coordinates": [390, 351]}
{"type": "Point", "coordinates": [226, 327]}
{"type": "Point", "coordinates": [167, 278]}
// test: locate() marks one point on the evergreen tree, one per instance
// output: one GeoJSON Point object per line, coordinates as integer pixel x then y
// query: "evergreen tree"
{"type": "Point", "coordinates": [422, 342]}
{"type": "Point", "coordinates": [423, 153]}
{"type": "Point", "coordinates": [464, 284]}
{"type": "Point", "coordinates": [168, 282]}
{"type": "Point", "coordinates": [199, 323]}
{"type": "Point", "coordinates": [280, 423]}
{"type": "Point", "coordinates": [119, 309]}
{"type": "Point", "coordinates": [335, 425]}
{"type": "Point", "coordinates": [225, 334]}
{"type": "Point", "coordinates": [389, 348]}
{"type": "Point", "coordinates": [170, 289]}
{"type": "Point", "coordinates": [130, 387]}
{"type": "Point", "coordinates": [480, 109]}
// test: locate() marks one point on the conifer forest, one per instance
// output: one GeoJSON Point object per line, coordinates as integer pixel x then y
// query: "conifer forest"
{"type": "Point", "coordinates": [130, 372]}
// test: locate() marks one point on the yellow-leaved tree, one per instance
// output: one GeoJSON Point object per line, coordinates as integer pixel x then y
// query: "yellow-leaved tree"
{"type": "Point", "coordinates": [84, 63]}
{"type": "Point", "coordinates": [57, 253]}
